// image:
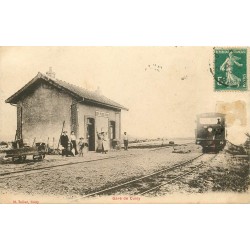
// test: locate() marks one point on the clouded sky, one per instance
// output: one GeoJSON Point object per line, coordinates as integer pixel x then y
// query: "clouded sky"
{"type": "Point", "coordinates": [163, 87]}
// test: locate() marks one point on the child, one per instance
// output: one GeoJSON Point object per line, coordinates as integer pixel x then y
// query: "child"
{"type": "Point", "coordinates": [81, 146]}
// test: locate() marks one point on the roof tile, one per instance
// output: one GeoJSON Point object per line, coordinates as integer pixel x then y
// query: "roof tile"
{"type": "Point", "coordinates": [81, 92]}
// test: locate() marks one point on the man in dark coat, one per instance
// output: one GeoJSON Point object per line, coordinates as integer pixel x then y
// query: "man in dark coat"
{"type": "Point", "coordinates": [64, 139]}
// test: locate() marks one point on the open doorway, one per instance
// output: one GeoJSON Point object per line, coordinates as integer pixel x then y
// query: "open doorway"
{"type": "Point", "coordinates": [91, 133]}
{"type": "Point", "coordinates": [112, 130]}
{"type": "Point", "coordinates": [112, 133]}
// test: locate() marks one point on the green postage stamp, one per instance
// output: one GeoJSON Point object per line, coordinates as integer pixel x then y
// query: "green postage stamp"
{"type": "Point", "coordinates": [230, 69]}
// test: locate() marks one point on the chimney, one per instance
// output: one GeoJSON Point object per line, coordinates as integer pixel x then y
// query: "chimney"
{"type": "Point", "coordinates": [50, 73]}
{"type": "Point", "coordinates": [98, 91]}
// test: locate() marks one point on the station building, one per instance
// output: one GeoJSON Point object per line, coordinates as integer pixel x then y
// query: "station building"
{"type": "Point", "coordinates": [46, 106]}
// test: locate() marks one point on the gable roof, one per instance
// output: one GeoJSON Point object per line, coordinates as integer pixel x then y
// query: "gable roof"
{"type": "Point", "coordinates": [78, 92]}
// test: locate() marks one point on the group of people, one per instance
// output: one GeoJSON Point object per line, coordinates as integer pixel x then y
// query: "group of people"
{"type": "Point", "coordinates": [70, 147]}
{"type": "Point", "coordinates": [103, 144]}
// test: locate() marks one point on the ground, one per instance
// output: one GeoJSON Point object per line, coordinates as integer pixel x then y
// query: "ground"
{"type": "Point", "coordinates": [74, 177]}
{"type": "Point", "coordinates": [225, 173]}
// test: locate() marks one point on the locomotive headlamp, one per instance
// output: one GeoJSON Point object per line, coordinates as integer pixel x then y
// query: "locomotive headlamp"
{"type": "Point", "coordinates": [210, 129]}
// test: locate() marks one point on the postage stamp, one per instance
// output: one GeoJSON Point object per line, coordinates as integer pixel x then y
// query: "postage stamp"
{"type": "Point", "coordinates": [230, 69]}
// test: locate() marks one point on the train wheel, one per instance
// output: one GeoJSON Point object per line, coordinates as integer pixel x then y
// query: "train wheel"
{"type": "Point", "coordinates": [35, 157]}
{"type": "Point", "coordinates": [18, 159]}
{"type": "Point", "coordinates": [38, 157]}
{"type": "Point", "coordinates": [15, 159]}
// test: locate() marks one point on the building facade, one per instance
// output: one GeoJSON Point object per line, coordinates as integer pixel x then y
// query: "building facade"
{"type": "Point", "coordinates": [46, 106]}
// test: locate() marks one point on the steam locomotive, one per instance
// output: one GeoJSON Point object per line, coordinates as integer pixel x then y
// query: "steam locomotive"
{"type": "Point", "coordinates": [210, 132]}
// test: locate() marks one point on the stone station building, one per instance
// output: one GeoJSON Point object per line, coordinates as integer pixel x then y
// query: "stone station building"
{"type": "Point", "coordinates": [45, 103]}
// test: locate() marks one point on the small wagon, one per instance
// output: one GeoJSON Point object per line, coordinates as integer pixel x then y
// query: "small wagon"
{"type": "Point", "coordinates": [20, 154]}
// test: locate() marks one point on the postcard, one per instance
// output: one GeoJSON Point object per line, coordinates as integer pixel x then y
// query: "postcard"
{"type": "Point", "coordinates": [124, 125]}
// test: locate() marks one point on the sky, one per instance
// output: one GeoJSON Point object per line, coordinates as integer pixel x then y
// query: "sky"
{"type": "Point", "coordinates": [164, 88]}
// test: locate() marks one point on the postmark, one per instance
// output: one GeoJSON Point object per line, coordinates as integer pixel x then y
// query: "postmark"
{"type": "Point", "coordinates": [230, 69]}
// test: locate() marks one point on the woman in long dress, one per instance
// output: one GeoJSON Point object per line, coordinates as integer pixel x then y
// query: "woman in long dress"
{"type": "Point", "coordinates": [73, 141]}
{"type": "Point", "coordinates": [231, 79]}
{"type": "Point", "coordinates": [103, 144]}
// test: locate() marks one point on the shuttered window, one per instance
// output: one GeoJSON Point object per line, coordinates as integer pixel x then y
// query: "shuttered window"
{"type": "Point", "coordinates": [19, 122]}
{"type": "Point", "coordinates": [74, 119]}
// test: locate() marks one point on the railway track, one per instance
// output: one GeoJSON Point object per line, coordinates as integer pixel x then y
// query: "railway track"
{"type": "Point", "coordinates": [151, 182]}
{"type": "Point", "coordinates": [167, 180]}
{"type": "Point", "coordinates": [46, 168]}
{"type": "Point", "coordinates": [24, 169]}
